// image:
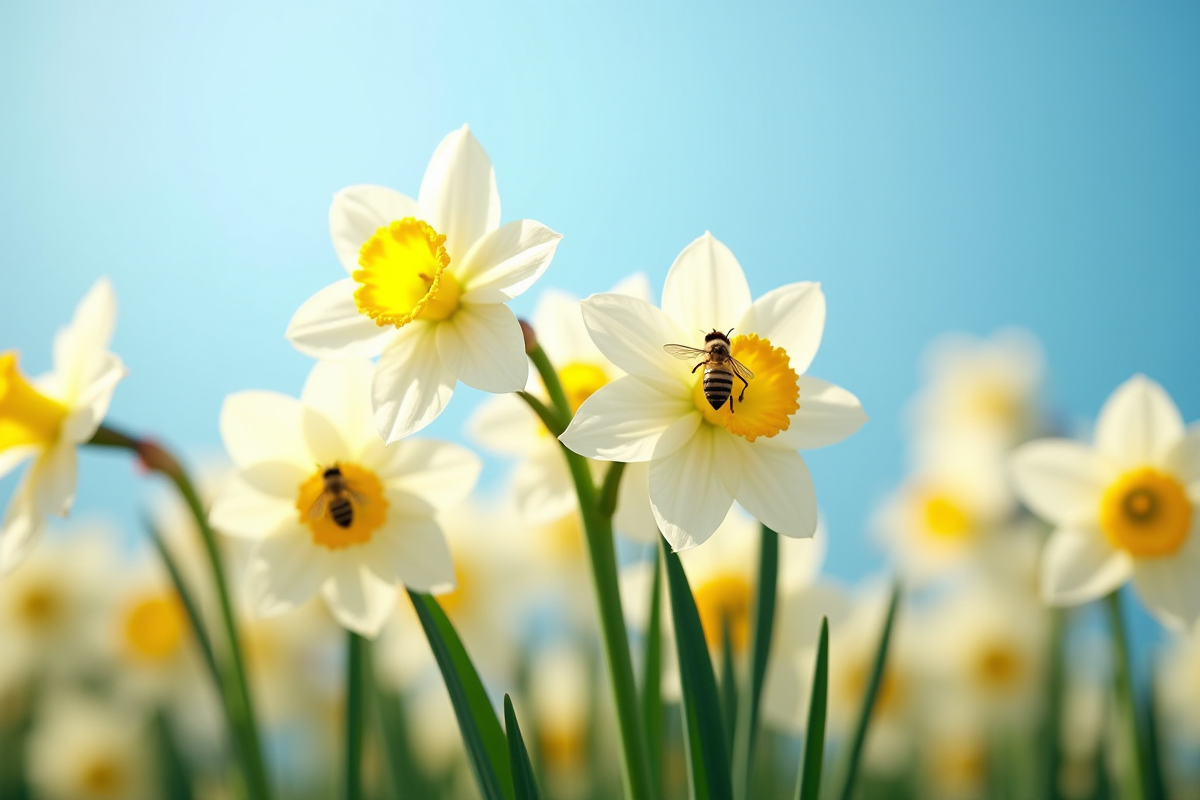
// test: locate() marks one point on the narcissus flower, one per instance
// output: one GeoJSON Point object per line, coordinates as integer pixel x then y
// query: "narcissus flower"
{"type": "Point", "coordinates": [1124, 509]}
{"type": "Point", "coordinates": [701, 458]}
{"type": "Point", "coordinates": [429, 279]}
{"type": "Point", "coordinates": [45, 419]}
{"type": "Point", "coordinates": [352, 535]}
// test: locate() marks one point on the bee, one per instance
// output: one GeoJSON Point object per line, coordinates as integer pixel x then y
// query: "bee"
{"type": "Point", "coordinates": [336, 499]}
{"type": "Point", "coordinates": [720, 368]}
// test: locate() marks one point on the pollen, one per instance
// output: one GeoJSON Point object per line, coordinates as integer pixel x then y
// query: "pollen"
{"type": "Point", "coordinates": [945, 517]}
{"type": "Point", "coordinates": [367, 502]}
{"type": "Point", "coordinates": [404, 275]}
{"type": "Point", "coordinates": [155, 627]}
{"type": "Point", "coordinates": [771, 398]}
{"type": "Point", "coordinates": [1146, 513]}
{"type": "Point", "coordinates": [725, 601]}
{"type": "Point", "coordinates": [27, 417]}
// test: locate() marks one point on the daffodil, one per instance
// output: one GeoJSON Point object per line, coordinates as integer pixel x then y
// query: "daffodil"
{"type": "Point", "coordinates": [703, 458]}
{"type": "Point", "coordinates": [354, 554]}
{"type": "Point", "coordinates": [47, 418]}
{"type": "Point", "coordinates": [1124, 509]}
{"type": "Point", "coordinates": [429, 279]}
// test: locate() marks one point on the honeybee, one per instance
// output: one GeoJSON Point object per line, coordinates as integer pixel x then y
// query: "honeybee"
{"type": "Point", "coordinates": [336, 499]}
{"type": "Point", "coordinates": [720, 368]}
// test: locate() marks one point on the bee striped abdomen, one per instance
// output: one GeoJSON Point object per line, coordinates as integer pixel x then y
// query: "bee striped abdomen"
{"type": "Point", "coordinates": [718, 385]}
{"type": "Point", "coordinates": [342, 511]}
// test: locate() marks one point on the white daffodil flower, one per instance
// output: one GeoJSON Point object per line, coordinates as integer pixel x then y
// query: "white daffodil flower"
{"type": "Point", "coordinates": [1124, 509]}
{"type": "Point", "coordinates": [429, 279]}
{"type": "Point", "coordinates": [702, 459]}
{"type": "Point", "coordinates": [45, 419]}
{"type": "Point", "coordinates": [284, 496]}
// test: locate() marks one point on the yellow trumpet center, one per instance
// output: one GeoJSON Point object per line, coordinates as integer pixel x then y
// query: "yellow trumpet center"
{"type": "Point", "coordinates": [404, 275]}
{"type": "Point", "coordinates": [318, 507]}
{"type": "Point", "coordinates": [946, 517]}
{"type": "Point", "coordinates": [102, 778]}
{"type": "Point", "coordinates": [155, 627]}
{"type": "Point", "coordinates": [26, 415]}
{"type": "Point", "coordinates": [466, 587]}
{"type": "Point", "coordinates": [998, 666]}
{"type": "Point", "coordinates": [580, 380]}
{"type": "Point", "coordinates": [771, 398]}
{"type": "Point", "coordinates": [40, 606]}
{"type": "Point", "coordinates": [1146, 513]}
{"type": "Point", "coordinates": [724, 601]}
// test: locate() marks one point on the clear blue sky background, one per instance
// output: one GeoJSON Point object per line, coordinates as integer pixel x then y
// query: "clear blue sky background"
{"type": "Point", "coordinates": [938, 166]}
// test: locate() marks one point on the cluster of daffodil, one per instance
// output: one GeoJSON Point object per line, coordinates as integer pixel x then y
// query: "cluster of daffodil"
{"type": "Point", "coordinates": [340, 612]}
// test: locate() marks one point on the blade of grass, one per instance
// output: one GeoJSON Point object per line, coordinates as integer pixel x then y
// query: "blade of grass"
{"type": "Point", "coordinates": [652, 707]}
{"type": "Point", "coordinates": [760, 650]}
{"type": "Point", "coordinates": [728, 686]}
{"type": "Point", "coordinates": [1155, 782]}
{"type": "Point", "coordinates": [1135, 773]}
{"type": "Point", "coordinates": [1055, 697]}
{"type": "Point", "coordinates": [858, 737]}
{"type": "Point", "coordinates": [356, 656]}
{"type": "Point", "coordinates": [708, 753]}
{"type": "Point", "coordinates": [405, 776]}
{"type": "Point", "coordinates": [524, 784]}
{"type": "Point", "coordinates": [487, 749]}
{"type": "Point", "coordinates": [809, 785]}
{"type": "Point", "coordinates": [175, 775]}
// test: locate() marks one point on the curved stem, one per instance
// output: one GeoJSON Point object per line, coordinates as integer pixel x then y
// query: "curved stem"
{"type": "Point", "coordinates": [239, 707]}
{"type": "Point", "coordinates": [1135, 777]}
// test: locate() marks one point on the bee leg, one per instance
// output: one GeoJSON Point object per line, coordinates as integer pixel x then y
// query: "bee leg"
{"type": "Point", "coordinates": [745, 386]}
{"type": "Point", "coordinates": [731, 404]}
{"type": "Point", "coordinates": [698, 366]}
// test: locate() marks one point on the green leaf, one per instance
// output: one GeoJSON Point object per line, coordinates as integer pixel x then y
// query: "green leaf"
{"type": "Point", "coordinates": [858, 737]}
{"type": "Point", "coordinates": [357, 655]}
{"type": "Point", "coordinates": [652, 707]}
{"type": "Point", "coordinates": [708, 753]}
{"type": "Point", "coordinates": [809, 785]}
{"type": "Point", "coordinates": [524, 784]}
{"type": "Point", "coordinates": [760, 650]}
{"type": "Point", "coordinates": [487, 749]}
{"type": "Point", "coordinates": [1051, 732]}
{"type": "Point", "coordinates": [173, 768]}
{"type": "Point", "coordinates": [403, 772]}
{"type": "Point", "coordinates": [728, 686]}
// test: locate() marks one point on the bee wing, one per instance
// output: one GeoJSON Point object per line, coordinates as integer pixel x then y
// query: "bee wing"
{"type": "Point", "coordinates": [319, 506]}
{"type": "Point", "coordinates": [360, 499]}
{"type": "Point", "coordinates": [683, 351]}
{"type": "Point", "coordinates": [740, 369]}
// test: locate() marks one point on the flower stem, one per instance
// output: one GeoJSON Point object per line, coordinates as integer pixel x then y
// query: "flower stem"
{"type": "Point", "coordinates": [1135, 776]}
{"type": "Point", "coordinates": [239, 707]}
{"type": "Point", "coordinates": [596, 512]}
{"type": "Point", "coordinates": [356, 656]}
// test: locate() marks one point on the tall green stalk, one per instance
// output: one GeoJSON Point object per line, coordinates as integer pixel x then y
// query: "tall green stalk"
{"type": "Point", "coordinates": [1135, 775]}
{"type": "Point", "coordinates": [596, 511]}
{"type": "Point", "coordinates": [239, 707]}
{"type": "Point", "coordinates": [356, 659]}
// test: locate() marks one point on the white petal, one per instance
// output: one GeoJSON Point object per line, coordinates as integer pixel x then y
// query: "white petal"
{"type": "Point", "coordinates": [692, 489]}
{"type": "Point", "coordinates": [828, 414]}
{"type": "Point", "coordinates": [543, 487]}
{"type": "Point", "coordinates": [506, 262]}
{"type": "Point", "coordinates": [413, 552]}
{"type": "Point", "coordinates": [631, 334]}
{"type": "Point", "coordinates": [79, 345]}
{"type": "Point", "coordinates": [1061, 480]}
{"type": "Point", "coordinates": [777, 489]}
{"type": "Point", "coordinates": [440, 473]}
{"type": "Point", "coordinates": [341, 392]}
{"type": "Point", "coordinates": [15, 456]}
{"type": "Point", "coordinates": [792, 317]}
{"type": "Point", "coordinates": [558, 321]}
{"type": "Point", "coordinates": [634, 516]}
{"type": "Point", "coordinates": [411, 386]}
{"type": "Point", "coordinates": [705, 287]}
{"type": "Point", "coordinates": [624, 420]}
{"type": "Point", "coordinates": [1079, 565]}
{"type": "Point", "coordinates": [21, 530]}
{"type": "Point", "coordinates": [94, 396]}
{"type": "Point", "coordinates": [284, 571]}
{"type": "Point", "coordinates": [1169, 586]}
{"type": "Point", "coordinates": [329, 325]}
{"type": "Point", "coordinates": [277, 479]}
{"type": "Point", "coordinates": [636, 285]}
{"type": "Point", "coordinates": [358, 211]}
{"type": "Point", "coordinates": [53, 478]}
{"type": "Point", "coordinates": [483, 347]}
{"type": "Point", "coordinates": [505, 425]}
{"type": "Point", "coordinates": [239, 509]}
{"type": "Point", "coordinates": [458, 193]}
{"type": "Point", "coordinates": [358, 599]}
{"type": "Point", "coordinates": [1138, 424]}
{"type": "Point", "coordinates": [264, 426]}
{"type": "Point", "coordinates": [1183, 460]}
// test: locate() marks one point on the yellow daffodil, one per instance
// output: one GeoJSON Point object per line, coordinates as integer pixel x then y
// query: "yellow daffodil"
{"type": "Point", "coordinates": [429, 279]}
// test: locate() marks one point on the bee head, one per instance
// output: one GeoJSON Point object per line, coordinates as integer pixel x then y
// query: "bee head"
{"type": "Point", "coordinates": [332, 472]}
{"type": "Point", "coordinates": [716, 335]}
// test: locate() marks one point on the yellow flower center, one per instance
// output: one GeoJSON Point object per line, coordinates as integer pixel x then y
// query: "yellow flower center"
{"type": "Point", "coordinates": [945, 517]}
{"type": "Point", "coordinates": [563, 538]}
{"type": "Point", "coordinates": [724, 601]}
{"type": "Point", "coordinates": [465, 588]}
{"type": "Point", "coordinates": [854, 686]}
{"type": "Point", "coordinates": [1146, 513]}
{"type": "Point", "coordinates": [580, 381]}
{"type": "Point", "coordinates": [155, 627]}
{"type": "Point", "coordinates": [995, 402]}
{"type": "Point", "coordinates": [998, 666]}
{"type": "Point", "coordinates": [26, 415]}
{"type": "Point", "coordinates": [563, 747]}
{"type": "Point", "coordinates": [102, 778]}
{"type": "Point", "coordinates": [342, 513]}
{"type": "Point", "coordinates": [771, 398]}
{"type": "Point", "coordinates": [404, 275]}
{"type": "Point", "coordinates": [40, 606]}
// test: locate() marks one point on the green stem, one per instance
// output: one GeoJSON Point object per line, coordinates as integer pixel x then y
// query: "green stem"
{"type": "Point", "coordinates": [1055, 696]}
{"type": "Point", "coordinates": [157, 458]}
{"type": "Point", "coordinates": [598, 530]}
{"type": "Point", "coordinates": [1135, 776]}
{"type": "Point", "coordinates": [356, 656]}
{"type": "Point", "coordinates": [760, 649]}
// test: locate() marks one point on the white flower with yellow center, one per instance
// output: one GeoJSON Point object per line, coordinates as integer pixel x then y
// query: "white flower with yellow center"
{"type": "Point", "coordinates": [429, 279]}
{"type": "Point", "coordinates": [47, 418]}
{"type": "Point", "coordinates": [333, 509]}
{"type": "Point", "coordinates": [505, 424]}
{"type": "Point", "coordinates": [702, 459]}
{"type": "Point", "coordinates": [1123, 509]}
